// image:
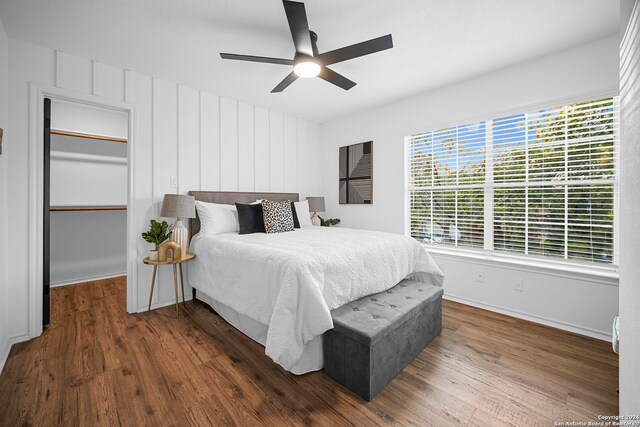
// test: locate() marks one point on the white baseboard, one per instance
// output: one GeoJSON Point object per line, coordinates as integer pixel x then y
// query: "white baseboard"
{"type": "Point", "coordinates": [87, 279]}
{"type": "Point", "coordinates": [604, 336]}
{"type": "Point", "coordinates": [6, 347]}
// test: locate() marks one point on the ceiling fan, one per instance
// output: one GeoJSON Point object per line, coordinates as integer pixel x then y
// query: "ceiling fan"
{"type": "Point", "coordinates": [308, 62]}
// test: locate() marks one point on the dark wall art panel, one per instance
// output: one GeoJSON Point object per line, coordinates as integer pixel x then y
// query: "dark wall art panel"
{"type": "Point", "coordinates": [356, 174]}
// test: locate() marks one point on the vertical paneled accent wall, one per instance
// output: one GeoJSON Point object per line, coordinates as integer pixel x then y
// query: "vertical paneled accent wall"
{"type": "Point", "coordinates": [184, 139]}
{"type": "Point", "coordinates": [188, 139]}
{"type": "Point", "coordinates": [276, 151]}
{"type": "Point", "coordinates": [209, 141]}
{"type": "Point", "coordinates": [228, 144]}
{"type": "Point", "coordinates": [246, 158]}
{"type": "Point", "coordinates": [262, 177]}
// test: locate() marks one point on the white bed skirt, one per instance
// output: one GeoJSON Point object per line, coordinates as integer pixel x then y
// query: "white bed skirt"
{"type": "Point", "coordinates": [312, 358]}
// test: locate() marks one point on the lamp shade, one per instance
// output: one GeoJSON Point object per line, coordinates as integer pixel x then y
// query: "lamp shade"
{"type": "Point", "coordinates": [316, 204]}
{"type": "Point", "coordinates": [178, 206]}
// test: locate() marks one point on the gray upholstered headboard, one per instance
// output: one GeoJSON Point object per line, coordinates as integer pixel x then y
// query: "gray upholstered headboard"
{"type": "Point", "coordinates": [230, 197]}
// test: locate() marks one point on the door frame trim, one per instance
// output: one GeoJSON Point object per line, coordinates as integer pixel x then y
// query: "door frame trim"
{"type": "Point", "coordinates": [37, 93]}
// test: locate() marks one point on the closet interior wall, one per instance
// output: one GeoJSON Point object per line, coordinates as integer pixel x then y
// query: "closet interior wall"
{"type": "Point", "coordinates": [88, 199]}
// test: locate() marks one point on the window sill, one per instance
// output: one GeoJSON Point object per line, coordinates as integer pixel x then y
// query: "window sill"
{"type": "Point", "coordinates": [607, 275]}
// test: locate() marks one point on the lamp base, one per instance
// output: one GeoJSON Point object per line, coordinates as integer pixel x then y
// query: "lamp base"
{"type": "Point", "coordinates": [180, 235]}
{"type": "Point", "coordinates": [315, 219]}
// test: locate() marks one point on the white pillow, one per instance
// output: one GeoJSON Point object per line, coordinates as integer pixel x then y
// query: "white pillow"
{"type": "Point", "coordinates": [302, 210]}
{"type": "Point", "coordinates": [216, 218]}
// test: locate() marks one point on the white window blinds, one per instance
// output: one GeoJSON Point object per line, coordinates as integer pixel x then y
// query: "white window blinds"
{"type": "Point", "coordinates": [540, 183]}
{"type": "Point", "coordinates": [447, 179]}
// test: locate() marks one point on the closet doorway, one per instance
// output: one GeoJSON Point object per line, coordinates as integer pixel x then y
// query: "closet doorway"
{"type": "Point", "coordinates": [85, 196]}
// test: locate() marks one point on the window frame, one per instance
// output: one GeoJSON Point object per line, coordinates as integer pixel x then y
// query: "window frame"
{"type": "Point", "coordinates": [608, 271]}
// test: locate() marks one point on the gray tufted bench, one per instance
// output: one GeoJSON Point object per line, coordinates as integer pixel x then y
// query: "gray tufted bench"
{"type": "Point", "coordinates": [375, 337]}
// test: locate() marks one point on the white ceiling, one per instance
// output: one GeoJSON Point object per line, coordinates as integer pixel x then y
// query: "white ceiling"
{"type": "Point", "coordinates": [436, 42]}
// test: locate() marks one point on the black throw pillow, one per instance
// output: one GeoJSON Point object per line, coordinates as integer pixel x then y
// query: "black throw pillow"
{"type": "Point", "coordinates": [250, 218]}
{"type": "Point", "coordinates": [296, 223]}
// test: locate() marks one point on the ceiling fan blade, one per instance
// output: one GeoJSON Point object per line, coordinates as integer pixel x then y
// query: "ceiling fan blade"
{"type": "Point", "coordinates": [297, 17]}
{"type": "Point", "coordinates": [356, 50]}
{"type": "Point", "coordinates": [335, 78]}
{"type": "Point", "coordinates": [264, 59]}
{"type": "Point", "coordinates": [292, 77]}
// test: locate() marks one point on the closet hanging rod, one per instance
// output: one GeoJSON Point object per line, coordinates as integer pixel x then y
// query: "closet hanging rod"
{"type": "Point", "coordinates": [87, 135]}
{"type": "Point", "coordinates": [87, 208]}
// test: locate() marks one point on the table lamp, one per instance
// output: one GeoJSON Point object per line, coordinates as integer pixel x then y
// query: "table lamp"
{"type": "Point", "coordinates": [179, 206]}
{"type": "Point", "coordinates": [316, 204]}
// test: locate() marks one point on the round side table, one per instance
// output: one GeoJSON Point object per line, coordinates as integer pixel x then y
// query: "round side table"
{"type": "Point", "coordinates": [178, 262]}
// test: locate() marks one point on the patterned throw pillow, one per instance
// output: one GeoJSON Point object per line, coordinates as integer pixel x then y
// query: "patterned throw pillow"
{"type": "Point", "coordinates": [278, 217]}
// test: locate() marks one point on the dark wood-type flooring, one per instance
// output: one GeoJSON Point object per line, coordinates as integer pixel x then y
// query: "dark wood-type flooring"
{"type": "Point", "coordinates": [97, 365]}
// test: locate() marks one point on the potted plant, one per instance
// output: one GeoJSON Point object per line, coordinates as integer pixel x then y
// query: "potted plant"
{"type": "Point", "coordinates": [329, 221]}
{"type": "Point", "coordinates": [158, 233]}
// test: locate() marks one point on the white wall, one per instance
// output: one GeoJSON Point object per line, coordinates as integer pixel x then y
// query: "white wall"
{"type": "Point", "coordinates": [87, 246]}
{"type": "Point", "coordinates": [590, 69]}
{"type": "Point", "coordinates": [79, 179]}
{"type": "Point", "coordinates": [193, 138]}
{"type": "Point", "coordinates": [630, 203]}
{"type": "Point", "coordinates": [81, 118]}
{"type": "Point", "coordinates": [84, 171]}
{"type": "Point", "coordinates": [5, 331]}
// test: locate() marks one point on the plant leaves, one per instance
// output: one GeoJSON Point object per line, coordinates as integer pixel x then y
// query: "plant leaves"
{"type": "Point", "coordinates": [158, 232]}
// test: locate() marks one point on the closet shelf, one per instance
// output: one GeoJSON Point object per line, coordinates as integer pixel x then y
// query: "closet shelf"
{"type": "Point", "coordinates": [87, 135]}
{"type": "Point", "coordinates": [87, 208]}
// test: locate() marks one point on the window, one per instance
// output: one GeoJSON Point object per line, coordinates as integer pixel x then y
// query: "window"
{"type": "Point", "coordinates": [541, 183]}
{"type": "Point", "coordinates": [447, 185]}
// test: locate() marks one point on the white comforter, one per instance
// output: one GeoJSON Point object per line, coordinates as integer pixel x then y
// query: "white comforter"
{"type": "Point", "coordinates": [291, 281]}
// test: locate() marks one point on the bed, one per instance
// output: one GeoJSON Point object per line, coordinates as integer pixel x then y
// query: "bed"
{"type": "Point", "coordinates": [279, 289]}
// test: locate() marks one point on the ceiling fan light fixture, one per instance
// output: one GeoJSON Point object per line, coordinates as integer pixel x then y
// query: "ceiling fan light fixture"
{"type": "Point", "coordinates": [306, 69]}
